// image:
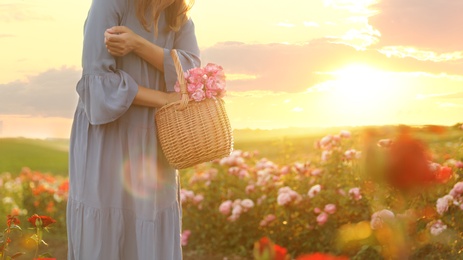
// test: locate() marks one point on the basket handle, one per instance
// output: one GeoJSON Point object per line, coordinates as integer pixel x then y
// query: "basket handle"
{"type": "Point", "coordinates": [183, 102]}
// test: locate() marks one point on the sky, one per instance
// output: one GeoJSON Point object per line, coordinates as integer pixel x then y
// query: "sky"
{"type": "Point", "coordinates": [293, 63]}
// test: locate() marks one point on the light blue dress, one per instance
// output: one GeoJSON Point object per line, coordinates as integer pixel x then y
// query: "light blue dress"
{"type": "Point", "coordinates": [123, 202]}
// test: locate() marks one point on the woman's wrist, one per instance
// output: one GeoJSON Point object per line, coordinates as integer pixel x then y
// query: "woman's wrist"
{"type": "Point", "coordinates": [138, 44]}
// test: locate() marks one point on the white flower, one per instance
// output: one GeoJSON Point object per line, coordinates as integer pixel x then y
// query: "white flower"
{"type": "Point", "coordinates": [314, 190]}
{"type": "Point", "coordinates": [437, 227]}
{"type": "Point", "coordinates": [378, 218]}
{"type": "Point", "coordinates": [247, 203]}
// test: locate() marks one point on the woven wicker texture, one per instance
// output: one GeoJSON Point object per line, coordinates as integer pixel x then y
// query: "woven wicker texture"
{"type": "Point", "coordinates": [193, 132]}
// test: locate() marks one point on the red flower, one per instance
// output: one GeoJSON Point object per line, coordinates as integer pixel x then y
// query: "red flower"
{"type": "Point", "coordinates": [320, 256]}
{"type": "Point", "coordinates": [42, 221]}
{"type": "Point", "coordinates": [12, 219]}
{"type": "Point", "coordinates": [263, 244]}
{"type": "Point", "coordinates": [444, 174]}
{"type": "Point", "coordinates": [408, 164]}
{"type": "Point", "coordinates": [280, 252]}
{"type": "Point", "coordinates": [266, 249]}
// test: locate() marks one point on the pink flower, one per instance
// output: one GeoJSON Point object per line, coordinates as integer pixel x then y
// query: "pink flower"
{"type": "Point", "coordinates": [225, 207]}
{"type": "Point", "coordinates": [322, 218]}
{"type": "Point", "coordinates": [270, 217]}
{"type": "Point", "coordinates": [285, 170]}
{"type": "Point", "coordinates": [286, 195]}
{"type": "Point", "coordinates": [316, 172]}
{"type": "Point", "coordinates": [195, 75]}
{"type": "Point", "coordinates": [352, 154]}
{"type": "Point", "coordinates": [185, 235]}
{"type": "Point", "coordinates": [198, 198]}
{"type": "Point", "coordinates": [243, 173]}
{"type": "Point", "coordinates": [193, 87]}
{"type": "Point", "coordinates": [233, 218]}
{"type": "Point", "coordinates": [457, 190]}
{"type": "Point", "coordinates": [207, 82]}
{"type": "Point", "coordinates": [186, 195]}
{"type": "Point", "coordinates": [237, 210]}
{"type": "Point", "coordinates": [442, 204]}
{"type": "Point", "coordinates": [345, 134]}
{"type": "Point", "coordinates": [317, 210]}
{"type": "Point", "coordinates": [250, 188]}
{"type": "Point", "coordinates": [267, 220]}
{"type": "Point", "coordinates": [459, 164]}
{"type": "Point", "coordinates": [326, 155]}
{"type": "Point", "coordinates": [198, 95]}
{"type": "Point", "coordinates": [325, 140]}
{"type": "Point", "coordinates": [330, 208]}
{"type": "Point", "coordinates": [314, 190]}
{"type": "Point", "coordinates": [341, 192]}
{"type": "Point", "coordinates": [355, 193]}
{"type": "Point", "coordinates": [300, 167]}
{"type": "Point", "coordinates": [283, 199]}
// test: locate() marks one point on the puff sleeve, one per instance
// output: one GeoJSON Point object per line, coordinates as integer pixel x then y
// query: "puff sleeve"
{"type": "Point", "coordinates": [105, 91]}
{"type": "Point", "coordinates": [188, 52]}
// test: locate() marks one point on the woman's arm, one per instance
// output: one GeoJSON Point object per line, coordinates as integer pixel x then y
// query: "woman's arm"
{"type": "Point", "coordinates": [154, 98]}
{"type": "Point", "coordinates": [120, 41]}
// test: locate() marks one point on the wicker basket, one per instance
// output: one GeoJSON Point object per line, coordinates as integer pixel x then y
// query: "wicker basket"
{"type": "Point", "coordinates": [193, 132]}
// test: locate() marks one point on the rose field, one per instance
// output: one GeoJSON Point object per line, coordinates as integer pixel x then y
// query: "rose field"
{"type": "Point", "coordinates": [391, 192]}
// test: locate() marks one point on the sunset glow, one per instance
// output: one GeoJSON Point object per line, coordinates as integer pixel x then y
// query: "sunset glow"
{"type": "Point", "coordinates": [299, 64]}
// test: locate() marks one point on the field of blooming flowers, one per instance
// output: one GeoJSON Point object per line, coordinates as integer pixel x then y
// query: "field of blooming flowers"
{"type": "Point", "coordinates": [367, 194]}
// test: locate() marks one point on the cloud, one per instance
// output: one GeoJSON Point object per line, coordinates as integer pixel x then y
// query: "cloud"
{"type": "Point", "coordinates": [51, 93]}
{"type": "Point", "coordinates": [424, 24]}
{"type": "Point", "coordinates": [294, 68]}
{"type": "Point", "coordinates": [257, 71]}
{"type": "Point", "coordinates": [401, 51]}
{"type": "Point", "coordinates": [20, 12]}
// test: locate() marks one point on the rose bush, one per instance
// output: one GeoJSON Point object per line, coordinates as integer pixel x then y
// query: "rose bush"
{"type": "Point", "coordinates": [353, 195]}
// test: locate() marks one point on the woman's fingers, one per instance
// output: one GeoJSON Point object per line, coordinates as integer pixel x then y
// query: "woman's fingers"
{"type": "Point", "coordinates": [118, 30]}
{"type": "Point", "coordinates": [119, 40]}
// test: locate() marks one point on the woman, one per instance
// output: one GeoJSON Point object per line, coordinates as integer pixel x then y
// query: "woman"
{"type": "Point", "coordinates": [123, 201]}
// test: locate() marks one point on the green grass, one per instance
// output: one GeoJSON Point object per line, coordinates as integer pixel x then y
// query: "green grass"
{"type": "Point", "coordinates": [40, 155]}
{"type": "Point", "coordinates": [282, 146]}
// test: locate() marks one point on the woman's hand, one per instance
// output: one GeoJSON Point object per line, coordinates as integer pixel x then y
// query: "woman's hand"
{"type": "Point", "coordinates": [172, 97]}
{"type": "Point", "coordinates": [120, 40]}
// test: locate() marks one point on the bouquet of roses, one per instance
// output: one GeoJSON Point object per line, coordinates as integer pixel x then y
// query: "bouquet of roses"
{"type": "Point", "coordinates": [205, 82]}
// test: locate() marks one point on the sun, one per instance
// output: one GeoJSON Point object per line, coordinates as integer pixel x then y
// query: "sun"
{"type": "Point", "coordinates": [357, 82]}
{"type": "Point", "coordinates": [363, 88]}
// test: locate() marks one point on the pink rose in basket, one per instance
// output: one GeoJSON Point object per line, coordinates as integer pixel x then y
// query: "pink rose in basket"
{"type": "Point", "coordinates": [206, 82]}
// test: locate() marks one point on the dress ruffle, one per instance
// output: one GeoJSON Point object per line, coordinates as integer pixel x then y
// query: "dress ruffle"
{"type": "Point", "coordinates": [118, 234]}
{"type": "Point", "coordinates": [106, 96]}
